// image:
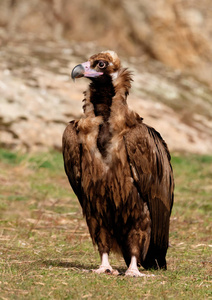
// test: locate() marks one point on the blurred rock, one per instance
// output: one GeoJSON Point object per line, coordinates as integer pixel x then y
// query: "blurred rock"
{"type": "Point", "coordinates": [38, 97]}
{"type": "Point", "coordinates": [177, 33]}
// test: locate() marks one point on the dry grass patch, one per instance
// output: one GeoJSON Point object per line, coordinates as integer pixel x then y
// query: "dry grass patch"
{"type": "Point", "coordinates": [46, 251]}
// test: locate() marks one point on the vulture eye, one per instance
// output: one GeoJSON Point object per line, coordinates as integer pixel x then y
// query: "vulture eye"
{"type": "Point", "coordinates": [101, 64]}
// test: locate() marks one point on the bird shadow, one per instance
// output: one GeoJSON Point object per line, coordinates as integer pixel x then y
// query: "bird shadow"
{"type": "Point", "coordinates": [80, 267]}
{"type": "Point", "coordinates": [66, 264]}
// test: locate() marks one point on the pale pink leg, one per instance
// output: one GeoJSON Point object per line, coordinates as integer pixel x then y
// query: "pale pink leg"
{"type": "Point", "coordinates": [105, 266]}
{"type": "Point", "coordinates": [133, 269]}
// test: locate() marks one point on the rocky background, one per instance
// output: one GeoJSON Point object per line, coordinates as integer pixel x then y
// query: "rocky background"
{"type": "Point", "coordinates": [166, 43]}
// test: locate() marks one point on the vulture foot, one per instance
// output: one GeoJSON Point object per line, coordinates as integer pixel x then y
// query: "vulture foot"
{"type": "Point", "coordinates": [135, 273]}
{"type": "Point", "coordinates": [106, 267]}
{"type": "Point", "coordinates": [107, 270]}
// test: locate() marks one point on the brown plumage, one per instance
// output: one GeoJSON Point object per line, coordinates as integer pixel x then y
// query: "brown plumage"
{"type": "Point", "coordinates": [120, 170]}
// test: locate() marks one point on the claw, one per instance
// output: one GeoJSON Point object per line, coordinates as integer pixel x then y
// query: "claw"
{"type": "Point", "coordinates": [103, 269]}
{"type": "Point", "coordinates": [136, 273]}
{"type": "Point", "coordinates": [106, 270]}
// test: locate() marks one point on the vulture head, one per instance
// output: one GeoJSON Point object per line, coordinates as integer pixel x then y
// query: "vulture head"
{"type": "Point", "coordinates": [99, 66]}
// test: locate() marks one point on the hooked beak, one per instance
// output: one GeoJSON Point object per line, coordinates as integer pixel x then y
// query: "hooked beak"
{"type": "Point", "coordinates": [84, 70]}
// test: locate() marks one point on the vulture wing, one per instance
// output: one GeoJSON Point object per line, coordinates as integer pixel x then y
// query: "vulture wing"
{"type": "Point", "coordinates": [151, 170]}
{"type": "Point", "coordinates": [72, 156]}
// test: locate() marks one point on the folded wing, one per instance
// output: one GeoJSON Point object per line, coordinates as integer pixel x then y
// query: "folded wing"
{"type": "Point", "coordinates": [151, 170]}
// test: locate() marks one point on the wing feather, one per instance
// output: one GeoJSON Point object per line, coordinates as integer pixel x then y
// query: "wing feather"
{"type": "Point", "coordinates": [151, 170]}
{"type": "Point", "coordinates": [72, 158]}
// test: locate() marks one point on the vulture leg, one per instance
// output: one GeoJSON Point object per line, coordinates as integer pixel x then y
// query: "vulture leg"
{"type": "Point", "coordinates": [103, 240]}
{"type": "Point", "coordinates": [105, 266]}
{"type": "Point", "coordinates": [133, 269]}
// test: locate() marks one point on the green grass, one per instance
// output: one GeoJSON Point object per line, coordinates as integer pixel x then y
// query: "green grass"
{"type": "Point", "coordinates": [46, 251]}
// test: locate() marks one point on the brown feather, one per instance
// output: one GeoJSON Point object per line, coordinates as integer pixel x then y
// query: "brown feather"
{"type": "Point", "coordinates": [120, 170]}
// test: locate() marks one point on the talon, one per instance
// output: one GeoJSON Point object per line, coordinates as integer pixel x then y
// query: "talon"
{"type": "Point", "coordinates": [115, 272]}
{"type": "Point", "coordinates": [134, 273]}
